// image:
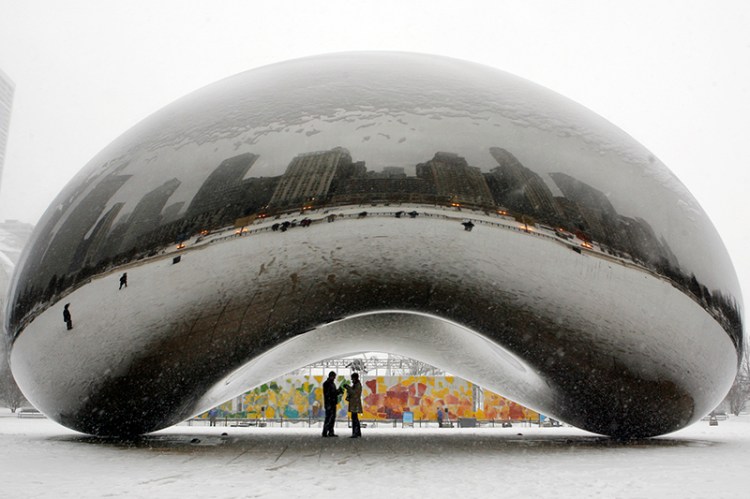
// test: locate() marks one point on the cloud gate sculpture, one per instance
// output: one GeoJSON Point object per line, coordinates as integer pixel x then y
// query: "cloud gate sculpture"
{"type": "Point", "coordinates": [393, 202]}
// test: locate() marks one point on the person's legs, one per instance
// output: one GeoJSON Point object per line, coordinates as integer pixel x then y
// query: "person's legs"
{"type": "Point", "coordinates": [356, 430]}
{"type": "Point", "coordinates": [329, 422]}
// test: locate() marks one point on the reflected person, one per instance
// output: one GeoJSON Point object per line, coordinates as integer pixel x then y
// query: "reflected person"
{"type": "Point", "coordinates": [330, 401]}
{"type": "Point", "coordinates": [354, 397]}
{"type": "Point", "coordinates": [67, 317]}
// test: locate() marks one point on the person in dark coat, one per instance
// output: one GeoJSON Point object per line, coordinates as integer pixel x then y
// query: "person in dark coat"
{"type": "Point", "coordinates": [354, 397]}
{"type": "Point", "coordinates": [124, 280]}
{"type": "Point", "coordinates": [67, 317]}
{"type": "Point", "coordinates": [330, 401]}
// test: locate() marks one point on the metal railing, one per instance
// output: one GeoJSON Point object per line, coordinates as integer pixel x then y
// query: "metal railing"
{"type": "Point", "coordinates": [372, 423]}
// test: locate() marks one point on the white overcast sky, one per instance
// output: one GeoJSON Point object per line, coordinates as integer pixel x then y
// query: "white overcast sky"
{"type": "Point", "coordinates": [675, 75]}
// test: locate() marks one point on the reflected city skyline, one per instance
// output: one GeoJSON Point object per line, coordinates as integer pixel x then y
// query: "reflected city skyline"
{"type": "Point", "coordinates": [98, 239]}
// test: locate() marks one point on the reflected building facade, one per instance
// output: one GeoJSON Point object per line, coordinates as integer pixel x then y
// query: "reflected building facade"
{"type": "Point", "coordinates": [309, 177]}
{"type": "Point", "coordinates": [520, 189]}
{"type": "Point", "coordinates": [455, 181]}
{"type": "Point", "coordinates": [242, 181]}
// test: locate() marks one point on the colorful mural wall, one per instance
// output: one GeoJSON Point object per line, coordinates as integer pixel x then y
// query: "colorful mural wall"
{"type": "Point", "coordinates": [383, 397]}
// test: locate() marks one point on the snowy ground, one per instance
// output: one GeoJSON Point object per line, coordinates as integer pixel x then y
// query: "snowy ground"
{"type": "Point", "coordinates": [39, 458]}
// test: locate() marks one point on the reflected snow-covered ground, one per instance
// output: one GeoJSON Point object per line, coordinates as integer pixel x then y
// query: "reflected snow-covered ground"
{"type": "Point", "coordinates": [42, 459]}
{"type": "Point", "coordinates": [609, 305]}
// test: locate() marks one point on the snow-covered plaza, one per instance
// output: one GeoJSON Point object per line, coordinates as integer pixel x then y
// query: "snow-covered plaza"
{"type": "Point", "coordinates": [42, 459]}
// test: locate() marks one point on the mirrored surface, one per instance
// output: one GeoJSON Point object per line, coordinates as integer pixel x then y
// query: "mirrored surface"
{"type": "Point", "coordinates": [276, 201]}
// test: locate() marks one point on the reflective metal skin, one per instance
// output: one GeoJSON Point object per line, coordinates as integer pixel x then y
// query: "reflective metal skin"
{"type": "Point", "coordinates": [376, 201]}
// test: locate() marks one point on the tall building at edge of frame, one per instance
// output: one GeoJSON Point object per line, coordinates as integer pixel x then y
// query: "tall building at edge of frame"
{"type": "Point", "coordinates": [6, 99]}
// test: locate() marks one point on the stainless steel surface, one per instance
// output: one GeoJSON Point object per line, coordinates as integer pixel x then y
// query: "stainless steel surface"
{"type": "Point", "coordinates": [376, 201]}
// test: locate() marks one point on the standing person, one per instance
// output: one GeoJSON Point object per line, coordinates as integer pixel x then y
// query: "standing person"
{"type": "Point", "coordinates": [440, 417]}
{"type": "Point", "coordinates": [330, 401]}
{"type": "Point", "coordinates": [212, 414]}
{"type": "Point", "coordinates": [124, 280]}
{"type": "Point", "coordinates": [354, 397]}
{"type": "Point", "coordinates": [67, 317]}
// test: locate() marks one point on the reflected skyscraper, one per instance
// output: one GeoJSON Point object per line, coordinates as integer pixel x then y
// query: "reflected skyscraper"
{"type": "Point", "coordinates": [309, 177]}
{"type": "Point", "coordinates": [222, 188]}
{"type": "Point", "coordinates": [455, 180]}
{"type": "Point", "coordinates": [519, 188]}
